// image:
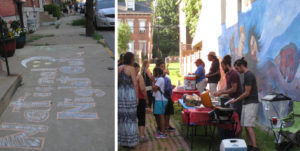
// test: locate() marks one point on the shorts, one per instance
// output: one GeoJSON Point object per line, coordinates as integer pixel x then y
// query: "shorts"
{"type": "Point", "coordinates": [249, 113]}
{"type": "Point", "coordinates": [160, 107]}
{"type": "Point", "coordinates": [170, 108]}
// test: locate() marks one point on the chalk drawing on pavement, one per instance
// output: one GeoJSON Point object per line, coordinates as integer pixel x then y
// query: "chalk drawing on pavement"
{"type": "Point", "coordinates": [41, 94]}
{"type": "Point", "coordinates": [24, 137]}
{"type": "Point", "coordinates": [76, 111]}
{"type": "Point", "coordinates": [19, 104]}
{"type": "Point", "coordinates": [37, 58]}
{"type": "Point", "coordinates": [44, 69]}
{"type": "Point", "coordinates": [36, 115]}
{"type": "Point", "coordinates": [45, 81]}
{"type": "Point", "coordinates": [89, 92]}
{"type": "Point", "coordinates": [44, 88]}
{"type": "Point", "coordinates": [75, 82]}
{"type": "Point", "coordinates": [72, 69]}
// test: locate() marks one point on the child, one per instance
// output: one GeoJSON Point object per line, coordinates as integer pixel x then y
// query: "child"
{"type": "Point", "coordinates": [160, 101]}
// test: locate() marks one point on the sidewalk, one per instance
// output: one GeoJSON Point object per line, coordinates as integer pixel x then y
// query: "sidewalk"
{"type": "Point", "coordinates": [66, 98]}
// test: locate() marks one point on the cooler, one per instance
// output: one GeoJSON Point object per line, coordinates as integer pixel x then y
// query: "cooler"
{"type": "Point", "coordinates": [190, 82]}
{"type": "Point", "coordinates": [233, 145]}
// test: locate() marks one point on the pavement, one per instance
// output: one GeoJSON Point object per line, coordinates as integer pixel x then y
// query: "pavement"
{"type": "Point", "coordinates": [173, 142]}
{"type": "Point", "coordinates": [66, 99]}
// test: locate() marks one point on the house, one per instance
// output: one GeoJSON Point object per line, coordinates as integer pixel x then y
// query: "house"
{"type": "Point", "coordinates": [187, 55]}
{"type": "Point", "coordinates": [31, 10]}
{"type": "Point", "coordinates": [138, 16]}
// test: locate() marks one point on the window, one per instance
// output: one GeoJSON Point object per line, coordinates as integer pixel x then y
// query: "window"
{"type": "Point", "coordinates": [131, 46]}
{"type": "Point", "coordinates": [142, 26]}
{"type": "Point", "coordinates": [143, 47]}
{"type": "Point", "coordinates": [131, 25]}
{"type": "Point", "coordinates": [130, 5]}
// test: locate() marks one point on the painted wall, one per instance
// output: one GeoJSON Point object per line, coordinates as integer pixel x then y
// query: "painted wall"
{"type": "Point", "coordinates": [267, 35]}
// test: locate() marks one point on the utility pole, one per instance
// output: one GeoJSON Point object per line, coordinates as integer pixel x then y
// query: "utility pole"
{"type": "Point", "coordinates": [89, 28]}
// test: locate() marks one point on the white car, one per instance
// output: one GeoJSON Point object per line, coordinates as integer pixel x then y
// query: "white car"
{"type": "Point", "coordinates": [105, 13]}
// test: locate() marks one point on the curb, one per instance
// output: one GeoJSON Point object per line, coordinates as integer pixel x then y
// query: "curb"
{"type": "Point", "coordinates": [10, 90]}
{"type": "Point", "coordinates": [110, 52]}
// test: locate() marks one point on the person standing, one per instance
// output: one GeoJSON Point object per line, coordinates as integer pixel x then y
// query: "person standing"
{"type": "Point", "coordinates": [233, 84]}
{"type": "Point", "coordinates": [127, 103]}
{"type": "Point", "coordinates": [168, 93]}
{"type": "Point", "coordinates": [200, 75]}
{"type": "Point", "coordinates": [143, 103]}
{"type": "Point", "coordinates": [160, 101]}
{"type": "Point", "coordinates": [214, 75]}
{"type": "Point", "coordinates": [250, 103]}
{"type": "Point", "coordinates": [148, 79]}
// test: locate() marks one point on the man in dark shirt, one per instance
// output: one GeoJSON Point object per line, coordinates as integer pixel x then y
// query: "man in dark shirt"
{"type": "Point", "coordinates": [250, 103]}
{"type": "Point", "coordinates": [232, 90]}
{"type": "Point", "coordinates": [233, 84]}
{"type": "Point", "coordinates": [213, 77]}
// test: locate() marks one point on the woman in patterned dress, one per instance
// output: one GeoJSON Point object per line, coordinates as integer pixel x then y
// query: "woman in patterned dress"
{"type": "Point", "coordinates": [127, 103]}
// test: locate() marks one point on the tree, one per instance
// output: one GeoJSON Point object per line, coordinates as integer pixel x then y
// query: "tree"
{"type": "Point", "coordinates": [124, 37]}
{"type": "Point", "coordinates": [89, 28]}
{"type": "Point", "coordinates": [166, 28]}
{"type": "Point", "coordinates": [192, 11]}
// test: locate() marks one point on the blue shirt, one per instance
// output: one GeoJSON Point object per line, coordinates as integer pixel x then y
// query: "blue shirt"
{"type": "Point", "coordinates": [168, 85]}
{"type": "Point", "coordinates": [200, 71]}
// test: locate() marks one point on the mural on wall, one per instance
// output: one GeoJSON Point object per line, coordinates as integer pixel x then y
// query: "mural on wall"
{"type": "Point", "coordinates": [267, 35]}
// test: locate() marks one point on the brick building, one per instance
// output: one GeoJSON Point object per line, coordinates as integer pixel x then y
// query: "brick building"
{"type": "Point", "coordinates": [138, 17]}
{"type": "Point", "coordinates": [31, 11]}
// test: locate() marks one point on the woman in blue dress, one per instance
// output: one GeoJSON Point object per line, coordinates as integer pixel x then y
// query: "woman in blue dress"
{"type": "Point", "coordinates": [127, 103]}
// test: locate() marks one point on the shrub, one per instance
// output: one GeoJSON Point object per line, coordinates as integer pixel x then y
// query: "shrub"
{"type": "Point", "coordinates": [53, 9]}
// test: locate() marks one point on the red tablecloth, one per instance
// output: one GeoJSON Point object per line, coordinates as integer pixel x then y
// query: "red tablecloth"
{"type": "Point", "coordinates": [201, 117]}
{"type": "Point", "coordinates": [177, 93]}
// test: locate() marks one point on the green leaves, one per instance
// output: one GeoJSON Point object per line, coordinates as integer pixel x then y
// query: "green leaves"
{"type": "Point", "coordinates": [166, 28]}
{"type": "Point", "coordinates": [192, 10]}
{"type": "Point", "coordinates": [124, 37]}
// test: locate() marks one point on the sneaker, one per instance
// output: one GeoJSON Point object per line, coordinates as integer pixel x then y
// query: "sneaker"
{"type": "Point", "coordinates": [170, 129]}
{"type": "Point", "coordinates": [255, 149]}
{"type": "Point", "coordinates": [163, 136]}
{"type": "Point", "coordinates": [143, 139]}
{"type": "Point", "coordinates": [157, 135]}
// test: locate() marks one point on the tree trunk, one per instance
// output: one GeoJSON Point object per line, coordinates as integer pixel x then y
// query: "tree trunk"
{"type": "Point", "coordinates": [89, 18]}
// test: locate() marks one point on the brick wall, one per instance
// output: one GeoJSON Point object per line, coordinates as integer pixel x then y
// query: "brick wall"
{"type": "Point", "coordinates": [29, 3]}
{"type": "Point", "coordinates": [137, 35]}
{"type": "Point", "coordinates": [7, 8]}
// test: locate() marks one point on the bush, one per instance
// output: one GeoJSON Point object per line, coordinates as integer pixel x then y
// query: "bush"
{"type": "Point", "coordinates": [79, 22]}
{"type": "Point", "coordinates": [53, 9]}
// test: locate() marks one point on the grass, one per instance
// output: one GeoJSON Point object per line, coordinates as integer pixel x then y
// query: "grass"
{"type": "Point", "coordinates": [79, 22]}
{"type": "Point", "coordinates": [37, 37]}
{"type": "Point", "coordinates": [174, 70]}
{"type": "Point", "coordinates": [264, 140]}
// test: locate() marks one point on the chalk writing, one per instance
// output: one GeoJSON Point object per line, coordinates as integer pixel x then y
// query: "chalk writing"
{"type": "Point", "coordinates": [76, 111]}
{"type": "Point", "coordinates": [44, 69]}
{"type": "Point", "coordinates": [42, 94]}
{"type": "Point", "coordinates": [75, 82]}
{"type": "Point", "coordinates": [36, 58]}
{"type": "Point", "coordinates": [45, 81]}
{"type": "Point", "coordinates": [89, 92]}
{"type": "Point", "coordinates": [36, 115]}
{"type": "Point", "coordinates": [19, 104]}
{"type": "Point", "coordinates": [44, 89]}
{"type": "Point", "coordinates": [23, 138]}
{"type": "Point", "coordinates": [72, 69]}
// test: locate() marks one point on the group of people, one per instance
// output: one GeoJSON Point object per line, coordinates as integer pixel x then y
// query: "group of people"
{"type": "Point", "coordinates": [241, 88]}
{"type": "Point", "coordinates": [140, 91]}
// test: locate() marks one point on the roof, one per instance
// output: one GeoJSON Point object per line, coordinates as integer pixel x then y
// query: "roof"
{"type": "Point", "coordinates": [140, 8]}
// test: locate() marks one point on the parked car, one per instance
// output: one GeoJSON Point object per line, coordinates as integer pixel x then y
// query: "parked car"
{"type": "Point", "coordinates": [105, 13]}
